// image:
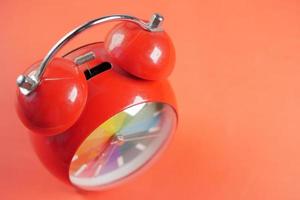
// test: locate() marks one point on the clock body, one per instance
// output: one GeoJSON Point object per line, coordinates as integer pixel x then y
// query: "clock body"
{"type": "Point", "coordinates": [125, 125]}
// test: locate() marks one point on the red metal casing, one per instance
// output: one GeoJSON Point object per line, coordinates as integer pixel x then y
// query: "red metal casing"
{"type": "Point", "coordinates": [57, 103]}
{"type": "Point", "coordinates": [148, 55]}
{"type": "Point", "coordinates": [108, 93]}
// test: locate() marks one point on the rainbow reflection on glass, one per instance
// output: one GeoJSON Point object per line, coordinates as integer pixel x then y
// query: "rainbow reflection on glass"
{"type": "Point", "coordinates": [122, 144]}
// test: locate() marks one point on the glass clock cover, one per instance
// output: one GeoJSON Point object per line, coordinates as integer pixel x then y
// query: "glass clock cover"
{"type": "Point", "coordinates": [122, 145]}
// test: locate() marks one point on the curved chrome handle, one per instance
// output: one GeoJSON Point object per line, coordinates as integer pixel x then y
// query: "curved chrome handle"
{"type": "Point", "coordinates": [27, 83]}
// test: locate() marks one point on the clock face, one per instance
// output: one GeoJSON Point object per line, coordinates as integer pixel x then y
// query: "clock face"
{"type": "Point", "coordinates": [122, 145]}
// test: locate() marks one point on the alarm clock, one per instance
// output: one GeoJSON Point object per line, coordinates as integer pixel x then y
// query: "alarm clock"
{"type": "Point", "coordinates": [103, 112]}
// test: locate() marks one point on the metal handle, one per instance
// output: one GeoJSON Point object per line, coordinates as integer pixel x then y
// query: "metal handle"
{"type": "Point", "coordinates": [27, 83]}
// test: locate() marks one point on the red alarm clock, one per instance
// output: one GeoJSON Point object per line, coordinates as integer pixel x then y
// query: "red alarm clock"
{"type": "Point", "coordinates": [103, 111]}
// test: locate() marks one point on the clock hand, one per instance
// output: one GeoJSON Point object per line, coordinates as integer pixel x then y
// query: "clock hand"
{"type": "Point", "coordinates": [102, 159]}
{"type": "Point", "coordinates": [118, 140]}
{"type": "Point", "coordinates": [137, 136]}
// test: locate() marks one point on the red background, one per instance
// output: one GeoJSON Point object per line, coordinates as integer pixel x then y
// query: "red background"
{"type": "Point", "coordinates": [237, 85]}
